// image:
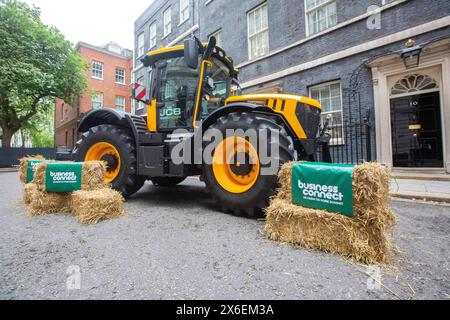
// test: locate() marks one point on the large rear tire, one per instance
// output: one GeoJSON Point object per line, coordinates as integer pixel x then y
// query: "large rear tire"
{"type": "Point", "coordinates": [240, 188]}
{"type": "Point", "coordinates": [116, 146]}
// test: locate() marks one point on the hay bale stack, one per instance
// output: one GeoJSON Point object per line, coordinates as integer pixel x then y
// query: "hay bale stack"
{"type": "Point", "coordinates": [362, 238]}
{"type": "Point", "coordinates": [91, 207]}
{"type": "Point", "coordinates": [29, 191]}
{"type": "Point", "coordinates": [92, 177]}
{"type": "Point", "coordinates": [43, 203]}
{"type": "Point", "coordinates": [23, 166]}
{"type": "Point", "coordinates": [284, 191]}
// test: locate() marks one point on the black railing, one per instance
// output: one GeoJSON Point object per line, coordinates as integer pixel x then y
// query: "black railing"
{"type": "Point", "coordinates": [10, 156]}
{"type": "Point", "coordinates": [351, 135]}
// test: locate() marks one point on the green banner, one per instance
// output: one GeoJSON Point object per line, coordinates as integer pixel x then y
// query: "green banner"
{"type": "Point", "coordinates": [323, 186]}
{"type": "Point", "coordinates": [31, 168]}
{"type": "Point", "coordinates": [63, 177]}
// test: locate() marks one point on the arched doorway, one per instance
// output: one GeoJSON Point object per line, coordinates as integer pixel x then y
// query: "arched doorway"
{"type": "Point", "coordinates": [416, 122]}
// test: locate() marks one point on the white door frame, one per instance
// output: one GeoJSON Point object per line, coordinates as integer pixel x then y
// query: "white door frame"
{"type": "Point", "coordinates": [381, 72]}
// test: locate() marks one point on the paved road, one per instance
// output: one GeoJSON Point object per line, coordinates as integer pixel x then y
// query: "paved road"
{"type": "Point", "coordinates": [174, 245]}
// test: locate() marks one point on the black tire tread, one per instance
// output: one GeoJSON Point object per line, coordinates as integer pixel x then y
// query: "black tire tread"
{"type": "Point", "coordinates": [131, 182]}
{"type": "Point", "coordinates": [286, 154]}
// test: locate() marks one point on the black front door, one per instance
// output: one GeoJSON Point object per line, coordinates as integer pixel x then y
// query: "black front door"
{"type": "Point", "coordinates": [417, 131]}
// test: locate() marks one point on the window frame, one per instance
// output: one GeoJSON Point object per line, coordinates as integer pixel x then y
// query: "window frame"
{"type": "Point", "coordinates": [310, 10]}
{"type": "Point", "coordinates": [168, 10]}
{"type": "Point", "coordinates": [124, 103]}
{"type": "Point", "coordinates": [266, 29]}
{"type": "Point", "coordinates": [215, 33]}
{"type": "Point", "coordinates": [102, 69]}
{"type": "Point", "coordinates": [187, 5]}
{"type": "Point", "coordinates": [124, 76]}
{"type": "Point", "coordinates": [334, 141]}
{"type": "Point", "coordinates": [141, 48]}
{"type": "Point", "coordinates": [62, 111]}
{"type": "Point", "coordinates": [152, 25]}
{"type": "Point", "coordinates": [98, 93]}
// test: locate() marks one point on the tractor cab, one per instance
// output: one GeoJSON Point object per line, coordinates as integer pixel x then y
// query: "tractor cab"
{"type": "Point", "coordinates": [187, 83]}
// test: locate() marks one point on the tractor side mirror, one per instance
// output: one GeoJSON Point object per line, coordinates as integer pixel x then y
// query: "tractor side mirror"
{"type": "Point", "coordinates": [191, 53]}
{"type": "Point", "coordinates": [140, 93]}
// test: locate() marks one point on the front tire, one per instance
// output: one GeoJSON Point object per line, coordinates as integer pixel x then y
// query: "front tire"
{"type": "Point", "coordinates": [240, 188]}
{"type": "Point", "coordinates": [116, 146]}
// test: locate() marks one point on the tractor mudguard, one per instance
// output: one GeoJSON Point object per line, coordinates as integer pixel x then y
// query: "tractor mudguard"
{"type": "Point", "coordinates": [103, 116]}
{"type": "Point", "coordinates": [135, 124]}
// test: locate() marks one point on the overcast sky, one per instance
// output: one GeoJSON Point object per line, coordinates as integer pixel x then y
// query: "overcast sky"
{"type": "Point", "coordinates": [94, 21]}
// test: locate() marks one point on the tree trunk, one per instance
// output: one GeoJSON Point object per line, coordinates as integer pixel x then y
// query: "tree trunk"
{"type": "Point", "coordinates": [7, 137]}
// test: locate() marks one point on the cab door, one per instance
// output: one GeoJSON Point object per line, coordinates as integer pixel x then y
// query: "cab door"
{"type": "Point", "coordinates": [175, 95]}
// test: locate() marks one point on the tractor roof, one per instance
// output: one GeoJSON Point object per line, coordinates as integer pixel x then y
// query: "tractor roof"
{"type": "Point", "coordinates": [165, 53]}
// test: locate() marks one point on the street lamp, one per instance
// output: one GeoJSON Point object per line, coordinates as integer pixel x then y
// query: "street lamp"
{"type": "Point", "coordinates": [411, 54]}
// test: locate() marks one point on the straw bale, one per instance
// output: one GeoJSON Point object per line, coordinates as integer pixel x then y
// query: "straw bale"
{"type": "Point", "coordinates": [23, 166]}
{"type": "Point", "coordinates": [43, 203]}
{"type": "Point", "coordinates": [362, 238]}
{"type": "Point", "coordinates": [92, 176]}
{"type": "Point", "coordinates": [91, 207]}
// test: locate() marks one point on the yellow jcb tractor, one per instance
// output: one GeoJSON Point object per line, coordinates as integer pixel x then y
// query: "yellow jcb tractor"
{"type": "Point", "coordinates": [194, 89]}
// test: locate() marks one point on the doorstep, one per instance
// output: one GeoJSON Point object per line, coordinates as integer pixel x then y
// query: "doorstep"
{"type": "Point", "coordinates": [421, 189]}
{"type": "Point", "coordinates": [421, 176]}
{"type": "Point", "coordinates": [430, 197]}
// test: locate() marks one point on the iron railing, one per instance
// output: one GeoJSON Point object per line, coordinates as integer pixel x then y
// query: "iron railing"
{"type": "Point", "coordinates": [351, 135]}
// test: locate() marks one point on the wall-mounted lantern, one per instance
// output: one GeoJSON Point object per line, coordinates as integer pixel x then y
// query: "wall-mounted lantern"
{"type": "Point", "coordinates": [411, 54]}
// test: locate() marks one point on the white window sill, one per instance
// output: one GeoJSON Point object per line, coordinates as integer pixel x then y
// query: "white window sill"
{"type": "Point", "coordinates": [96, 78]}
{"type": "Point", "coordinates": [182, 22]}
{"type": "Point", "coordinates": [166, 35]}
{"type": "Point", "coordinates": [208, 2]}
{"type": "Point", "coordinates": [310, 34]}
{"type": "Point", "coordinates": [258, 57]}
{"type": "Point", "coordinates": [121, 83]}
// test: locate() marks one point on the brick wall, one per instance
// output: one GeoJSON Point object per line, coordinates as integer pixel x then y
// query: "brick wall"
{"type": "Point", "coordinates": [107, 86]}
{"type": "Point", "coordinates": [66, 116]}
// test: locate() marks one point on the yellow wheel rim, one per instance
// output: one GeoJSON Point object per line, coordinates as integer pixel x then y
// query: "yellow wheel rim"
{"type": "Point", "coordinates": [233, 176]}
{"type": "Point", "coordinates": [103, 151]}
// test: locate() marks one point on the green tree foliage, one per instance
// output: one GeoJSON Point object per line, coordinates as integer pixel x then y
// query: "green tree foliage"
{"type": "Point", "coordinates": [41, 126]}
{"type": "Point", "coordinates": [36, 63]}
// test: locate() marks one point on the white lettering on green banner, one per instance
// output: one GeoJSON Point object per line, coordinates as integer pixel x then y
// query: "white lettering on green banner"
{"type": "Point", "coordinates": [323, 186]}
{"type": "Point", "coordinates": [31, 169]}
{"type": "Point", "coordinates": [63, 177]}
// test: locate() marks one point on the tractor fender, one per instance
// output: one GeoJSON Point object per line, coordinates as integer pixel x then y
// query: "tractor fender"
{"type": "Point", "coordinates": [103, 116]}
{"type": "Point", "coordinates": [244, 107]}
{"type": "Point", "coordinates": [136, 124]}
